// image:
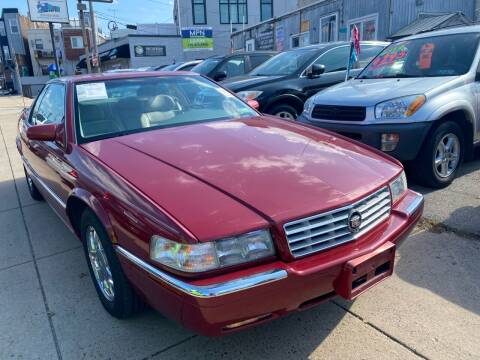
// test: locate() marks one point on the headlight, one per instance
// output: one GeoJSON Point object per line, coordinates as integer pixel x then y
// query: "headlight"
{"type": "Point", "coordinates": [308, 106]}
{"type": "Point", "coordinates": [398, 187]}
{"type": "Point", "coordinates": [399, 108]}
{"type": "Point", "coordinates": [249, 95]}
{"type": "Point", "coordinates": [211, 255]}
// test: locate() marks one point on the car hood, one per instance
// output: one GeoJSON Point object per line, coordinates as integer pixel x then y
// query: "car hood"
{"type": "Point", "coordinates": [248, 82]}
{"type": "Point", "coordinates": [280, 170]}
{"type": "Point", "coordinates": [369, 92]}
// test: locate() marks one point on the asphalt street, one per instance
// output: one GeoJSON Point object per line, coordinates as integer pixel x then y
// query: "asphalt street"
{"type": "Point", "coordinates": [429, 309]}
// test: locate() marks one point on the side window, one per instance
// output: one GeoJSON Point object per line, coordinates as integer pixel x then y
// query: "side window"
{"type": "Point", "coordinates": [335, 59]}
{"type": "Point", "coordinates": [234, 66]}
{"type": "Point", "coordinates": [33, 118]}
{"type": "Point", "coordinates": [50, 109]}
{"type": "Point", "coordinates": [367, 53]}
{"type": "Point", "coordinates": [256, 60]}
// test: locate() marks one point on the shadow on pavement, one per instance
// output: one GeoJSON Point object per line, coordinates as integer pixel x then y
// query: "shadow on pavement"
{"type": "Point", "coordinates": [296, 336]}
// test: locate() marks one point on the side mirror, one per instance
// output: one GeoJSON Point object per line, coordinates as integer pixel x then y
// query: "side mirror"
{"type": "Point", "coordinates": [44, 132]}
{"type": "Point", "coordinates": [219, 76]}
{"type": "Point", "coordinates": [254, 104]}
{"type": "Point", "coordinates": [315, 71]}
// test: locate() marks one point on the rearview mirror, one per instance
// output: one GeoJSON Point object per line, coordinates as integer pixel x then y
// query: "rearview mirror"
{"type": "Point", "coordinates": [44, 132]}
{"type": "Point", "coordinates": [219, 76]}
{"type": "Point", "coordinates": [315, 71]}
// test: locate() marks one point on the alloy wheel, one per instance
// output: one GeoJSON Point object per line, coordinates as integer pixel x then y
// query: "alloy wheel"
{"type": "Point", "coordinates": [447, 155]}
{"type": "Point", "coordinates": [30, 183]}
{"type": "Point", "coordinates": [285, 115]}
{"type": "Point", "coordinates": [100, 266]}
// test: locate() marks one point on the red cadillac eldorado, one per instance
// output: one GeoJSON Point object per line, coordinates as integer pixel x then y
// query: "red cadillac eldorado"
{"type": "Point", "coordinates": [189, 200]}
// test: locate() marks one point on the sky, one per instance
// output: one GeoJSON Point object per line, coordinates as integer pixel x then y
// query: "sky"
{"type": "Point", "coordinates": [122, 11]}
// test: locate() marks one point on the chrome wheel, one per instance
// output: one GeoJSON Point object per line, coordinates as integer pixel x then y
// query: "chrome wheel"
{"type": "Point", "coordinates": [30, 183]}
{"type": "Point", "coordinates": [285, 115]}
{"type": "Point", "coordinates": [99, 262]}
{"type": "Point", "coordinates": [447, 155]}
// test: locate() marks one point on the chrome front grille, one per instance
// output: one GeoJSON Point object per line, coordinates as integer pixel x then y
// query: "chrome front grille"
{"type": "Point", "coordinates": [329, 229]}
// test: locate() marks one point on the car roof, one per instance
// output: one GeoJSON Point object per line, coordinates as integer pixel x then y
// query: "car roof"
{"type": "Point", "coordinates": [192, 62]}
{"type": "Point", "coordinates": [124, 75]}
{"type": "Point", "coordinates": [446, 31]}
{"type": "Point", "coordinates": [329, 45]}
{"type": "Point", "coordinates": [262, 52]}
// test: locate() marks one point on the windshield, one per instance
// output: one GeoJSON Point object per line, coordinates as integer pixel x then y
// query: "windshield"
{"type": "Point", "coordinates": [118, 107]}
{"type": "Point", "coordinates": [285, 63]}
{"type": "Point", "coordinates": [205, 67]}
{"type": "Point", "coordinates": [447, 55]}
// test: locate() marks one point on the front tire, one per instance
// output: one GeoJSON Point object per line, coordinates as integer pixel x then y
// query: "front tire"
{"type": "Point", "coordinates": [441, 156]}
{"type": "Point", "coordinates": [32, 188]}
{"type": "Point", "coordinates": [113, 288]}
{"type": "Point", "coordinates": [284, 111]}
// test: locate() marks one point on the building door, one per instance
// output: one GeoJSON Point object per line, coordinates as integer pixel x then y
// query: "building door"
{"type": "Point", "coordinates": [250, 45]}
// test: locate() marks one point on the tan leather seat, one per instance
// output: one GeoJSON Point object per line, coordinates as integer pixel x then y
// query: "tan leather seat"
{"type": "Point", "coordinates": [162, 109]}
{"type": "Point", "coordinates": [95, 121]}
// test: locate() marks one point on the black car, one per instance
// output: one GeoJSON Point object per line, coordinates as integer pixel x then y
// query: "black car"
{"type": "Point", "coordinates": [220, 68]}
{"type": "Point", "coordinates": [282, 84]}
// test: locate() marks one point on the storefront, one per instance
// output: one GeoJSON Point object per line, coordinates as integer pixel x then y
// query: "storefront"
{"type": "Point", "coordinates": [137, 51]}
{"type": "Point", "coordinates": [332, 20]}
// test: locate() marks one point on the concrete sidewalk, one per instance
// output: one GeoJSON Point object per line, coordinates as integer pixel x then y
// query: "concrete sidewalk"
{"type": "Point", "coordinates": [429, 309]}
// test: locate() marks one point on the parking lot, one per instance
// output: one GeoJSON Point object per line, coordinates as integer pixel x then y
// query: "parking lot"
{"type": "Point", "coordinates": [429, 309]}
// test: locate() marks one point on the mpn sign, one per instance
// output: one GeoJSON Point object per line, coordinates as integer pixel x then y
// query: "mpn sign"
{"type": "Point", "coordinates": [197, 38]}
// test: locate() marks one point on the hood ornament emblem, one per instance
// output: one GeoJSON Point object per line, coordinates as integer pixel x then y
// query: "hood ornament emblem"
{"type": "Point", "coordinates": [354, 221]}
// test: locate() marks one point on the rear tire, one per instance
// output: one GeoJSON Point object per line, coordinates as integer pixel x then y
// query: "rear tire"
{"type": "Point", "coordinates": [115, 292]}
{"type": "Point", "coordinates": [32, 188]}
{"type": "Point", "coordinates": [284, 111]}
{"type": "Point", "coordinates": [441, 156]}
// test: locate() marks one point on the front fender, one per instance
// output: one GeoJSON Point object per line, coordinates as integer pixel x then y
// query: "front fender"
{"type": "Point", "coordinates": [455, 105]}
{"type": "Point", "coordinates": [291, 98]}
{"type": "Point", "coordinates": [95, 205]}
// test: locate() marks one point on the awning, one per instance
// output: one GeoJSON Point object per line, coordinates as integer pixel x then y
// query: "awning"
{"type": "Point", "coordinates": [430, 22]}
{"type": "Point", "coordinates": [122, 51]}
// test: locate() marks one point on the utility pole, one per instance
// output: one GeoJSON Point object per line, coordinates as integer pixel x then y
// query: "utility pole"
{"type": "Point", "coordinates": [81, 7]}
{"type": "Point", "coordinates": [50, 26]}
{"type": "Point", "coordinates": [96, 63]}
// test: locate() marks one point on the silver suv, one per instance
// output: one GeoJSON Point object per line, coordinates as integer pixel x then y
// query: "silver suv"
{"type": "Point", "coordinates": [418, 100]}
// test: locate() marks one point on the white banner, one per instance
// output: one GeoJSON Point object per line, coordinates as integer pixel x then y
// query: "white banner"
{"type": "Point", "coordinates": [55, 11]}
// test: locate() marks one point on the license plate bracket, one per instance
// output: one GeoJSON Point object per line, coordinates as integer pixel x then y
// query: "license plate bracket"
{"type": "Point", "coordinates": [360, 274]}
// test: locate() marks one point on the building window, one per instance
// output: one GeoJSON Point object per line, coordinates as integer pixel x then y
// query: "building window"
{"type": "Point", "coordinates": [266, 9]}
{"type": "Point", "coordinates": [367, 26]}
{"type": "Point", "coordinates": [14, 26]}
{"type": "Point", "coordinates": [77, 42]}
{"type": "Point", "coordinates": [38, 44]}
{"type": "Point", "coordinates": [199, 9]}
{"type": "Point", "coordinates": [328, 28]}
{"type": "Point", "coordinates": [300, 40]}
{"type": "Point", "coordinates": [233, 11]}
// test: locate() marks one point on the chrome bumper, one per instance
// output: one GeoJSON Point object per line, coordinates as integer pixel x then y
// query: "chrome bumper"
{"type": "Point", "coordinates": [207, 291]}
{"type": "Point", "coordinates": [415, 204]}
